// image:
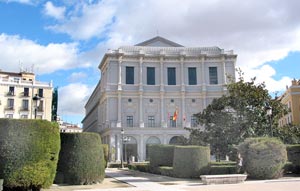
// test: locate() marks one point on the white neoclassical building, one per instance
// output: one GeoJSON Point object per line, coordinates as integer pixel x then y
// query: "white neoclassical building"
{"type": "Point", "coordinates": [143, 86]}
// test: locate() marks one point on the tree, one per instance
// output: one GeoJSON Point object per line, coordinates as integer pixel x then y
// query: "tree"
{"type": "Point", "coordinates": [239, 114]}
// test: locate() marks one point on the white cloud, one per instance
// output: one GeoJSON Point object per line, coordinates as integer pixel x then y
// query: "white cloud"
{"type": "Point", "coordinates": [77, 76]}
{"type": "Point", "coordinates": [53, 11]}
{"type": "Point", "coordinates": [30, 2]}
{"type": "Point", "coordinates": [45, 59]}
{"type": "Point", "coordinates": [258, 31]}
{"type": "Point", "coordinates": [87, 20]}
{"type": "Point", "coordinates": [266, 74]}
{"type": "Point", "coordinates": [72, 98]}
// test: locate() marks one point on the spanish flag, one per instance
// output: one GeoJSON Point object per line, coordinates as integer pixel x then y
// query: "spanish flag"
{"type": "Point", "coordinates": [175, 115]}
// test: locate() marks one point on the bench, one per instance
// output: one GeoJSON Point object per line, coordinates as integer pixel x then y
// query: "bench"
{"type": "Point", "coordinates": [223, 179]}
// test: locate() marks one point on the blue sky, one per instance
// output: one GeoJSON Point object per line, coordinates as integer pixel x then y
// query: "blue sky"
{"type": "Point", "coordinates": [63, 41]}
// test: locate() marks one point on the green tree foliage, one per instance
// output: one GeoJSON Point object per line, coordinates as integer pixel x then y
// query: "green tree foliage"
{"type": "Point", "coordinates": [28, 153]}
{"type": "Point", "coordinates": [239, 114]}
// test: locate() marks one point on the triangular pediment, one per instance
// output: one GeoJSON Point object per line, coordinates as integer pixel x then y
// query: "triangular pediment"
{"type": "Point", "coordinates": [159, 42]}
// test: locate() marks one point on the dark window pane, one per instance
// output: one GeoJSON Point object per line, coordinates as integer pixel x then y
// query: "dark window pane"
{"type": "Point", "coordinates": [151, 122]}
{"type": "Point", "coordinates": [213, 75]}
{"type": "Point", "coordinates": [129, 75]}
{"type": "Point", "coordinates": [26, 92]}
{"type": "Point", "coordinates": [130, 121]}
{"type": "Point", "coordinates": [150, 75]}
{"type": "Point", "coordinates": [171, 76]}
{"type": "Point", "coordinates": [41, 93]}
{"type": "Point", "coordinates": [192, 76]}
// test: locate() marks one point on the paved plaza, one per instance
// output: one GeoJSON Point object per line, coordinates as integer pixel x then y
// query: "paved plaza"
{"type": "Point", "coordinates": [126, 180]}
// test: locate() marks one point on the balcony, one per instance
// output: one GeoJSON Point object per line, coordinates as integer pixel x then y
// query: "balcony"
{"type": "Point", "coordinates": [11, 93]}
{"type": "Point", "coordinates": [24, 109]}
{"type": "Point", "coordinates": [9, 108]}
{"type": "Point", "coordinates": [25, 94]}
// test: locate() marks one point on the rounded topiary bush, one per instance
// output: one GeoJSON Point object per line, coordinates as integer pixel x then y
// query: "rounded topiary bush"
{"type": "Point", "coordinates": [161, 155]}
{"type": "Point", "coordinates": [190, 161]}
{"type": "Point", "coordinates": [28, 153]}
{"type": "Point", "coordinates": [81, 159]}
{"type": "Point", "coordinates": [263, 157]}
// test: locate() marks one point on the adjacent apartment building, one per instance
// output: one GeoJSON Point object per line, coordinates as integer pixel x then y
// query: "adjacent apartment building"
{"type": "Point", "coordinates": [291, 98]}
{"type": "Point", "coordinates": [150, 91]}
{"type": "Point", "coordinates": [17, 91]}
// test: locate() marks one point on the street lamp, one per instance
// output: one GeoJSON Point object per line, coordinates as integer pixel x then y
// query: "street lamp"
{"type": "Point", "coordinates": [269, 113]}
{"type": "Point", "coordinates": [36, 102]}
{"type": "Point", "coordinates": [122, 141]}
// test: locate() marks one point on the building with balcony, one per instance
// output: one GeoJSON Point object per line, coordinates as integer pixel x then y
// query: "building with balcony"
{"type": "Point", "coordinates": [16, 96]}
{"type": "Point", "coordinates": [291, 98]}
{"type": "Point", "coordinates": [151, 91]}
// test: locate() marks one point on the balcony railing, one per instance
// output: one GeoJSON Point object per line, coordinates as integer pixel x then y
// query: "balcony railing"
{"type": "Point", "coordinates": [10, 93]}
{"type": "Point", "coordinates": [9, 108]}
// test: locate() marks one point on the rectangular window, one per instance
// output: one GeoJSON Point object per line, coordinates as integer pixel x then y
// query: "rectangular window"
{"type": "Point", "coordinates": [41, 106]}
{"type": "Point", "coordinates": [26, 92]}
{"type": "Point", "coordinates": [24, 116]}
{"type": "Point", "coordinates": [193, 121]}
{"type": "Point", "coordinates": [172, 122]}
{"type": "Point", "coordinates": [10, 103]}
{"type": "Point", "coordinates": [25, 104]}
{"type": "Point", "coordinates": [151, 121]}
{"type": "Point", "coordinates": [171, 76]}
{"type": "Point", "coordinates": [129, 75]}
{"type": "Point", "coordinates": [192, 76]}
{"type": "Point", "coordinates": [150, 75]}
{"type": "Point", "coordinates": [130, 121]}
{"type": "Point", "coordinates": [9, 116]}
{"type": "Point", "coordinates": [213, 75]}
{"type": "Point", "coordinates": [11, 90]}
{"type": "Point", "coordinates": [41, 93]}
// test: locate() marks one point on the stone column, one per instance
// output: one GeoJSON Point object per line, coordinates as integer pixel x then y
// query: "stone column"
{"type": "Point", "coordinates": [142, 124]}
{"type": "Point", "coordinates": [119, 122]}
{"type": "Point", "coordinates": [162, 111]}
{"type": "Point", "coordinates": [203, 81]}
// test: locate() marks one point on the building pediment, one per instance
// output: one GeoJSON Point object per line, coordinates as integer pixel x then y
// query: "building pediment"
{"type": "Point", "coordinates": [159, 42]}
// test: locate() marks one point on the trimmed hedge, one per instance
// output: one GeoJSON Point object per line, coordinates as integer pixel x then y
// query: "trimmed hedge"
{"type": "Point", "coordinates": [215, 168]}
{"type": "Point", "coordinates": [105, 152]}
{"type": "Point", "coordinates": [293, 154]}
{"type": "Point", "coordinates": [160, 155]}
{"type": "Point", "coordinates": [166, 170]}
{"type": "Point", "coordinates": [81, 159]}
{"type": "Point", "coordinates": [28, 153]}
{"type": "Point", "coordinates": [190, 161]}
{"type": "Point", "coordinates": [142, 167]}
{"type": "Point", "coordinates": [263, 157]}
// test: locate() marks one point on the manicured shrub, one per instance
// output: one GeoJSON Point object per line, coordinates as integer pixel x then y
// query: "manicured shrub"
{"type": "Point", "coordinates": [190, 161]}
{"type": "Point", "coordinates": [81, 159]}
{"type": "Point", "coordinates": [293, 154]}
{"type": "Point", "coordinates": [166, 170]}
{"type": "Point", "coordinates": [226, 167]}
{"type": "Point", "coordinates": [142, 167]}
{"type": "Point", "coordinates": [263, 158]}
{"type": "Point", "coordinates": [105, 152]}
{"type": "Point", "coordinates": [160, 155]}
{"type": "Point", "coordinates": [28, 153]}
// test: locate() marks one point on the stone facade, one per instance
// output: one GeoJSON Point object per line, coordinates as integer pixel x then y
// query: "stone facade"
{"type": "Point", "coordinates": [291, 98]}
{"type": "Point", "coordinates": [143, 86]}
{"type": "Point", "coordinates": [16, 96]}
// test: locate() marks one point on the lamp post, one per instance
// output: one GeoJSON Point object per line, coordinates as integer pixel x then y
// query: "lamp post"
{"type": "Point", "coordinates": [269, 113]}
{"type": "Point", "coordinates": [122, 141]}
{"type": "Point", "coordinates": [36, 101]}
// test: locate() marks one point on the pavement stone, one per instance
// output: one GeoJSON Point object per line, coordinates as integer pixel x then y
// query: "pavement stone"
{"type": "Point", "coordinates": [139, 181]}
